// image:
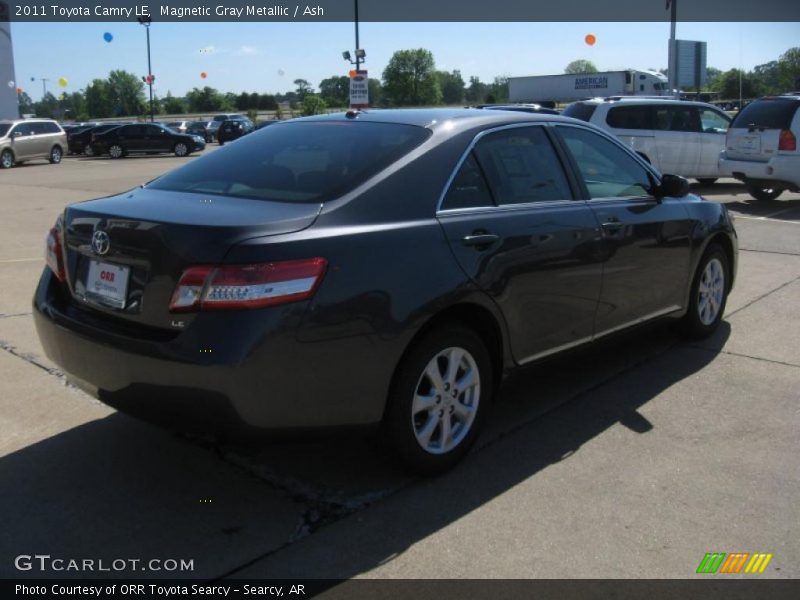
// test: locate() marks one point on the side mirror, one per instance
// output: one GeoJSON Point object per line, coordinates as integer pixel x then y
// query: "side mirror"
{"type": "Point", "coordinates": [17, 134]}
{"type": "Point", "coordinates": [673, 186]}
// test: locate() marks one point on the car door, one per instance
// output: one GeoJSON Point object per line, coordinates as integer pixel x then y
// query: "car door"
{"type": "Point", "coordinates": [23, 143]}
{"type": "Point", "coordinates": [510, 217]}
{"type": "Point", "coordinates": [648, 240]}
{"type": "Point", "coordinates": [677, 134]}
{"type": "Point", "coordinates": [131, 137]}
{"type": "Point", "coordinates": [714, 126]}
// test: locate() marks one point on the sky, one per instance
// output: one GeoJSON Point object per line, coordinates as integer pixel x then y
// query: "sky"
{"type": "Point", "coordinates": [268, 57]}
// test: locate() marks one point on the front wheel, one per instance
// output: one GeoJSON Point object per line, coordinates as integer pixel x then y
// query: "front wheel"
{"type": "Point", "coordinates": [55, 155]}
{"type": "Point", "coordinates": [181, 149]}
{"type": "Point", "coordinates": [116, 151]}
{"type": "Point", "coordinates": [440, 393]}
{"type": "Point", "coordinates": [709, 294]}
{"type": "Point", "coordinates": [7, 159]}
{"type": "Point", "coordinates": [763, 194]}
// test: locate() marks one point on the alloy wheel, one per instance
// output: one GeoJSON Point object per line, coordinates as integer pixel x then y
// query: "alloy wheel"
{"type": "Point", "coordinates": [181, 149]}
{"type": "Point", "coordinates": [710, 292]}
{"type": "Point", "coordinates": [115, 151]}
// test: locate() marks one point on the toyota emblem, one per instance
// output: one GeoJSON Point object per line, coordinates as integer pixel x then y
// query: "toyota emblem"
{"type": "Point", "coordinates": [100, 242]}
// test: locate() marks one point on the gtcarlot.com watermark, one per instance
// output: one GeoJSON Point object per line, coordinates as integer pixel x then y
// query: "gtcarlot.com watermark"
{"type": "Point", "coordinates": [44, 563]}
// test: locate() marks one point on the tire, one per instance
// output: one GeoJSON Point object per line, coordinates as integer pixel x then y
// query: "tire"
{"type": "Point", "coordinates": [709, 294]}
{"type": "Point", "coordinates": [221, 143]}
{"type": "Point", "coordinates": [6, 159]}
{"type": "Point", "coordinates": [763, 194]}
{"type": "Point", "coordinates": [116, 151]}
{"type": "Point", "coordinates": [88, 150]}
{"type": "Point", "coordinates": [181, 149]}
{"type": "Point", "coordinates": [56, 154]}
{"type": "Point", "coordinates": [431, 426]}
{"type": "Point", "coordinates": [707, 180]}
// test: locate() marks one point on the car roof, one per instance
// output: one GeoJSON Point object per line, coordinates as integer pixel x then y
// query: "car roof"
{"type": "Point", "coordinates": [637, 100]}
{"type": "Point", "coordinates": [32, 120]}
{"type": "Point", "coordinates": [434, 118]}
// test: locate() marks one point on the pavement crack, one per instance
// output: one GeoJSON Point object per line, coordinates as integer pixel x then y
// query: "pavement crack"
{"type": "Point", "coordinates": [9, 315]}
{"type": "Point", "coordinates": [740, 355]}
{"type": "Point", "coordinates": [762, 296]}
{"type": "Point", "coordinates": [768, 252]}
{"type": "Point", "coordinates": [32, 359]}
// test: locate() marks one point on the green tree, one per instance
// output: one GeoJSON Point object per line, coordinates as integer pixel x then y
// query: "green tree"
{"type": "Point", "coordinates": [26, 106]}
{"type": "Point", "coordinates": [452, 85]}
{"type": "Point", "coordinates": [98, 99]}
{"type": "Point", "coordinates": [243, 101]}
{"type": "Point", "coordinates": [173, 105]}
{"type": "Point", "coordinates": [126, 92]}
{"type": "Point", "coordinates": [476, 92]}
{"type": "Point", "coordinates": [727, 85]}
{"type": "Point", "coordinates": [48, 107]}
{"type": "Point", "coordinates": [266, 102]}
{"type": "Point", "coordinates": [410, 78]}
{"type": "Point", "coordinates": [335, 90]}
{"type": "Point", "coordinates": [303, 88]}
{"type": "Point", "coordinates": [712, 73]}
{"type": "Point", "coordinates": [580, 66]}
{"type": "Point", "coordinates": [789, 66]}
{"type": "Point", "coordinates": [206, 99]}
{"type": "Point", "coordinates": [375, 92]}
{"type": "Point", "coordinates": [313, 105]}
{"type": "Point", "coordinates": [499, 89]}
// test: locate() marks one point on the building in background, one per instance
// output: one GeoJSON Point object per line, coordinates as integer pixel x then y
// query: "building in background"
{"type": "Point", "coordinates": [9, 105]}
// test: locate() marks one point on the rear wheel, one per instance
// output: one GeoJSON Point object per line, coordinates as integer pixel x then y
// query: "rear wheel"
{"type": "Point", "coordinates": [763, 194]}
{"type": "Point", "coordinates": [116, 151]}
{"type": "Point", "coordinates": [440, 393]}
{"type": "Point", "coordinates": [709, 294]}
{"type": "Point", "coordinates": [181, 149]}
{"type": "Point", "coordinates": [55, 155]}
{"type": "Point", "coordinates": [7, 159]}
{"type": "Point", "coordinates": [707, 180]}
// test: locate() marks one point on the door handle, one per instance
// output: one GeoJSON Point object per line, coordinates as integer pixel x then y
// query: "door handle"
{"type": "Point", "coordinates": [479, 239]}
{"type": "Point", "coordinates": [611, 224]}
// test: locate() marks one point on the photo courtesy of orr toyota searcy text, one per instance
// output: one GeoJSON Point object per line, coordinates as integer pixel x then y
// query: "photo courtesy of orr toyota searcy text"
{"type": "Point", "coordinates": [160, 591]}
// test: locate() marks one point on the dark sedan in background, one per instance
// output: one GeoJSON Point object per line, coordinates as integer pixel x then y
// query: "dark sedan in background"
{"type": "Point", "coordinates": [146, 138]}
{"type": "Point", "coordinates": [233, 129]}
{"type": "Point", "coordinates": [80, 140]}
{"type": "Point", "coordinates": [383, 268]}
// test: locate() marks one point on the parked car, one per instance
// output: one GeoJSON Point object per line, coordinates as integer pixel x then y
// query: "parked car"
{"type": "Point", "coordinates": [233, 129]}
{"type": "Point", "coordinates": [30, 139]}
{"type": "Point", "coordinates": [216, 121]}
{"type": "Point", "coordinates": [761, 148]}
{"type": "Point", "coordinates": [529, 108]}
{"type": "Point", "coordinates": [80, 142]}
{"type": "Point", "coordinates": [675, 136]}
{"type": "Point", "coordinates": [198, 128]}
{"type": "Point", "coordinates": [374, 268]}
{"type": "Point", "coordinates": [149, 138]}
{"type": "Point", "coordinates": [178, 126]}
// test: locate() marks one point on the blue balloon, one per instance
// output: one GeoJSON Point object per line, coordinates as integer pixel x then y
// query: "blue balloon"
{"type": "Point", "coordinates": [108, 37]}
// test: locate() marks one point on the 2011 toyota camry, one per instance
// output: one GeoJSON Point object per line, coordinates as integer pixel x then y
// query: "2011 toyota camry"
{"type": "Point", "coordinates": [374, 267]}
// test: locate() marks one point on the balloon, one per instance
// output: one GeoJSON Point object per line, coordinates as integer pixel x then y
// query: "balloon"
{"type": "Point", "coordinates": [203, 75]}
{"type": "Point", "coordinates": [590, 39]}
{"type": "Point", "coordinates": [11, 84]}
{"type": "Point", "coordinates": [108, 37]}
{"type": "Point", "coordinates": [19, 91]}
{"type": "Point", "coordinates": [281, 72]}
{"type": "Point", "coordinates": [62, 82]}
{"type": "Point", "coordinates": [33, 78]}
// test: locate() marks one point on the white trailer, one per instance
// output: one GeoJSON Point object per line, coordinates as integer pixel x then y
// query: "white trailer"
{"type": "Point", "coordinates": [568, 88]}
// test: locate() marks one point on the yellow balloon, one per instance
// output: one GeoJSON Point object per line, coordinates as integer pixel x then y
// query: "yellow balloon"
{"type": "Point", "coordinates": [62, 81]}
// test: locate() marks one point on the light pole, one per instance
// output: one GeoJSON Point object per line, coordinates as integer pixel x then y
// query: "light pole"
{"type": "Point", "coordinates": [44, 87]}
{"type": "Point", "coordinates": [146, 22]}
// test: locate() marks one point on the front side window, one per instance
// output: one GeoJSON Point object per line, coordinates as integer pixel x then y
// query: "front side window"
{"type": "Point", "coordinates": [522, 166]}
{"type": "Point", "coordinates": [608, 170]}
{"type": "Point", "coordinates": [714, 122]}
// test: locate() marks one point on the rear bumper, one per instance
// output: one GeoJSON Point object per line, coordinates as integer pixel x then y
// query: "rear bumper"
{"type": "Point", "coordinates": [233, 372]}
{"type": "Point", "coordinates": [783, 170]}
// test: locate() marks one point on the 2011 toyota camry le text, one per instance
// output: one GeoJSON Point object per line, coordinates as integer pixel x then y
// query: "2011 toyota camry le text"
{"type": "Point", "coordinates": [380, 267]}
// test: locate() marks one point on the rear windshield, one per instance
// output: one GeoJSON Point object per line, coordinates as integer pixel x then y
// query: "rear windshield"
{"type": "Point", "coordinates": [297, 162]}
{"type": "Point", "coordinates": [580, 110]}
{"type": "Point", "coordinates": [772, 113]}
{"type": "Point", "coordinates": [4, 127]}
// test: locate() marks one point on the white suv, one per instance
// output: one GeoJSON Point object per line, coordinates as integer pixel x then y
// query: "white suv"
{"type": "Point", "coordinates": [675, 136]}
{"type": "Point", "coordinates": [761, 147]}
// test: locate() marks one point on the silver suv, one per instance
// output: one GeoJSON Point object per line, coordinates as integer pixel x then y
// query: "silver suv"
{"type": "Point", "coordinates": [762, 149]}
{"type": "Point", "coordinates": [29, 139]}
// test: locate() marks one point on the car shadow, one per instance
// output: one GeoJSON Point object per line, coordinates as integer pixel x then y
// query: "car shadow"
{"type": "Point", "coordinates": [118, 488]}
{"type": "Point", "coordinates": [787, 204]}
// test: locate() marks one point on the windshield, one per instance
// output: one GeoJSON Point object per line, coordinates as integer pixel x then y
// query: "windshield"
{"type": "Point", "coordinates": [4, 127]}
{"type": "Point", "coordinates": [297, 162]}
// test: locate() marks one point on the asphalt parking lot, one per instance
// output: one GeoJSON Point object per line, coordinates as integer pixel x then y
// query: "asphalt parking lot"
{"type": "Point", "coordinates": [632, 459]}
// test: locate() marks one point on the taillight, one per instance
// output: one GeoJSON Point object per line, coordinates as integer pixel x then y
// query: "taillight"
{"type": "Point", "coordinates": [247, 286]}
{"type": "Point", "coordinates": [53, 254]}
{"type": "Point", "coordinates": [787, 141]}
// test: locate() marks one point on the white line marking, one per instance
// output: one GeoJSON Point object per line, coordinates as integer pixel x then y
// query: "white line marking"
{"type": "Point", "coordinates": [738, 216]}
{"type": "Point", "coordinates": [19, 260]}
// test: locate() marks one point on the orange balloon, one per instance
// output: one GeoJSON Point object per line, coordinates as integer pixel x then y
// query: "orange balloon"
{"type": "Point", "coordinates": [20, 90]}
{"type": "Point", "coordinates": [203, 75]}
{"type": "Point", "coordinates": [590, 39]}
{"type": "Point", "coordinates": [352, 73]}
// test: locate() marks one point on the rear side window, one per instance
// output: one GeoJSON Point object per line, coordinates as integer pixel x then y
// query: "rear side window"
{"type": "Point", "coordinates": [770, 113]}
{"type": "Point", "coordinates": [677, 118]}
{"type": "Point", "coordinates": [522, 166]}
{"type": "Point", "coordinates": [629, 117]}
{"type": "Point", "coordinates": [580, 110]}
{"type": "Point", "coordinates": [307, 161]}
{"type": "Point", "coordinates": [469, 188]}
{"type": "Point", "coordinates": [4, 127]}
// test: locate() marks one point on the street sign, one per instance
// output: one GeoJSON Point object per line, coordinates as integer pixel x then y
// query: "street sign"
{"type": "Point", "coordinates": [359, 90]}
